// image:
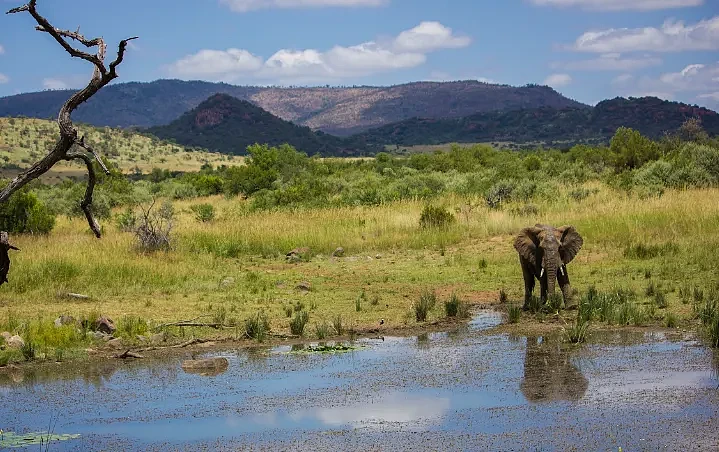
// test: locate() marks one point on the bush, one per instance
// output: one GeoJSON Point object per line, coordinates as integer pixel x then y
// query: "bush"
{"type": "Point", "coordinates": [435, 217]}
{"type": "Point", "coordinates": [498, 194]}
{"type": "Point", "coordinates": [127, 220]}
{"type": "Point", "coordinates": [24, 213]}
{"type": "Point", "coordinates": [153, 231]}
{"type": "Point", "coordinates": [427, 301]}
{"type": "Point", "coordinates": [203, 212]}
{"type": "Point", "coordinates": [454, 307]}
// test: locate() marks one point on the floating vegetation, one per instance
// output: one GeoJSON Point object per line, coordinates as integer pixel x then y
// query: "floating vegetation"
{"type": "Point", "coordinates": [323, 348]}
{"type": "Point", "coordinates": [11, 439]}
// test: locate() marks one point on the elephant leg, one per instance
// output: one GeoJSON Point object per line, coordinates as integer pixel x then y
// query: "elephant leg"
{"type": "Point", "coordinates": [563, 280]}
{"type": "Point", "coordinates": [528, 285]}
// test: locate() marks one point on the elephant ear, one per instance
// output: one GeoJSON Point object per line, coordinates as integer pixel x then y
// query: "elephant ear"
{"type": "Point", "coordinates": [526, 243]}
{"type": "Point", "coordinates": [570, 243]}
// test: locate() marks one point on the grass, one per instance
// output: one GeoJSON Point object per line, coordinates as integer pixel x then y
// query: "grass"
{"type": "Point", "coordinates": [514, 313]}
{"type": "Point", "coordinates": [427, 301]}
{"type": "Point", "coordinates": [250, 246]}
{"type": "Point", "coordinates": [455, 307]}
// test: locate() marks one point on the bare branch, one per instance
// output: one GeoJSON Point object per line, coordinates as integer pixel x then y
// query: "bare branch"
{"type": "Point", "coordinates": [74, 35]}
{"type": "Point", "coordinates": [120, 56]}
{"type": "Point", "coordinates": [82, 144]}
{"type": "Point", "coordinates": [86, 203]}
{"type": "Point", "coordinates": [36, 170]}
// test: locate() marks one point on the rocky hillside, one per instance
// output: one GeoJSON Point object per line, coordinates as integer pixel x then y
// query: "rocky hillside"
{"type": "Point", "coordinates": [340, 111]}
{"type": "Point", "coordinates": [650, 115]}
{"type": "Point", "coordinates": [228, 125]}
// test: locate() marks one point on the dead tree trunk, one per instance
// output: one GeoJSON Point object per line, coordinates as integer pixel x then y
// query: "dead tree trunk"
{"type": "Point", "coordinates": [68, 133]}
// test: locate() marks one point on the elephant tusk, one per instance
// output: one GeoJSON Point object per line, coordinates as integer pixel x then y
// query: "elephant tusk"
{"type": "Point", "coordinates": [542, 273]}
{"type": "Point", "coordinates": [561, 270]}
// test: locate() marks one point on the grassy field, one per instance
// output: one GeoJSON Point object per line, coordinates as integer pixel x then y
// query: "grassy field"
{"type": "Point", "coordinates": [233, 267]}
{"type": "Point", "coordinates": [25, 140]}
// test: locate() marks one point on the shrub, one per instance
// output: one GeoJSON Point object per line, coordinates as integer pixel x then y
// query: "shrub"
{"type": "Point", "coordinates": [203, 212]}
{"type": "Point", "coordinates": [298, 322]}
{"type": "Point", "coordinates": [427, 301]}
{"type": "Point", "coordinates": [435, 217]}
{"type": "Point", "coordinates": [126, 221]}
{"type": "Point", "coordinates": [498, 194]}
{"type": "Point", "coordinates": [23, 212]}
{"type": "Point", "coordinates": [153, 231]}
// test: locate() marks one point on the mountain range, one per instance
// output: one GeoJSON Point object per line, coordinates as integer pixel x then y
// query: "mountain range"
{"type": "Point", "coordinates": [340, 111]}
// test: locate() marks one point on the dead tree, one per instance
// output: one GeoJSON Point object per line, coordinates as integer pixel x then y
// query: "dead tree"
{"type": "Point", "coordinates": [69, 136]}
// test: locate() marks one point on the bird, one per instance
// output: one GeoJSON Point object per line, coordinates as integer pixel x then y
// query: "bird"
{"type": "Point", "coordinates": [381, 321]}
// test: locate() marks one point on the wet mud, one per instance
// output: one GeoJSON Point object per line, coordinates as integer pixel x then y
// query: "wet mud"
{"type": "Point", "coordinates": [465, 389]}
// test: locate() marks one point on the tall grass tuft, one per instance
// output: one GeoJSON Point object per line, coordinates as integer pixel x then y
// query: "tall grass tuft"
{"type": "Point", "coordinates": [298, 322]}
{"type": "Point", "coordinates": [322, 330]}
{"type": "Point", "coordinates": [427, 301]}
{"type": "Point", "coordinates": [515, 313]}
{"type": "Point", "coordinates": [577, 333]}
{"type": "Point", "coordinates": [455, 307]}
{"type": "Point", "coordinates": [337, 325]}
{"type": "Point", "coordinates": [257, 326]}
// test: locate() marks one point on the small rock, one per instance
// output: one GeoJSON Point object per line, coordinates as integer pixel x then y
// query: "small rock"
{"type": "Point", "coordinates": [78, 296]}
{"type": "Point", "coordinates": [100, 336]}
{"type": "Point", "coordinates": [227, 282]}
{"type": "Point", "coordinates": [64, 320]}
{"type": "Point", "coordinates": [158, 338]}
{"type": "Point", "coordinates": [15, 342]}
{"type": "Point", "coordinates": [379, 256]}
{"type": "Point", "coordinates": [115, 343]}
{"type": "Point", "coordinates": [298, 254]}
{"type": "Point", "coordinates": [105, 325]}
{"type": "Point", "coordinates": [304, 285]}
{"type": "Point", "coordinates": [339, 252]}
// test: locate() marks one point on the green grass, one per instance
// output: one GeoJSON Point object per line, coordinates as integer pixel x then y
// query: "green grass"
{"type": "Point", "coordinates": [427, 302]}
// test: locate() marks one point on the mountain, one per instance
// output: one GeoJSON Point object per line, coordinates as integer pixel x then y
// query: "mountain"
{"type": "Point", "coordinates": [340, 111]}
{"type": "Point", "coordinates": [649, 115]}
{"type": "Point", "coordinates": [228, 125]}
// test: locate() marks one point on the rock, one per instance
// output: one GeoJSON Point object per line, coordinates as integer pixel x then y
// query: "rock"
{"type": "Point", "coordinates": [64, 320]}
{"type": "Point", "coordinates": [100, 336]}
{"type": "Point", "coordinates": [115, 343]}
{"type": "Point", "coordinates": [339, 252]}
{"type": "Point", "coordinates": [78, 296]}
{"type": "Point", "coordinates": [206, 367]}
{"type": "Point", "coordinates": [379, 256]}
{"type": "Point", "coordinates": [105, 325]}
{"type": "Point", "coordinates": [298, 254]}
{"type": "Point", "coordinates": [227, 282]}
{"type": "Point", "coordinates": [15, 342]}
{"type": "Point", "coordinates": [304, 285]}
{"type": "Point", "coordinates": [158, 338]}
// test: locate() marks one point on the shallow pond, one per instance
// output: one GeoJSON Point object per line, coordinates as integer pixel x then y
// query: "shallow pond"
{"type": "Point", "coordinates": [467, 389]}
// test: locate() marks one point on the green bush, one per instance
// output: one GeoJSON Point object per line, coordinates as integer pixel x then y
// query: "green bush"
{"type": "Point", "coordinates": [203, 212]}
{"type": "Point", "coordinates": [435, 217]}
{"type": "Point", "coordinates": [23, 212]}
{"type": "Point", "coordinates": [499, 193]}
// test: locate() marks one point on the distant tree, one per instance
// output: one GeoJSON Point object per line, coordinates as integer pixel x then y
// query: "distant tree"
{"type": "Point", "coordinates": [69, 135]}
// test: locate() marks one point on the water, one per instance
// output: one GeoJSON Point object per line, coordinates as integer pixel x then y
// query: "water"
{"type": "Point", "coordinates": [460, 390]}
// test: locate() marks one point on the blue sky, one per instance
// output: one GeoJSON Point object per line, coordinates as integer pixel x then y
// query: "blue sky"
{"type": "Point", "coordinates": [588, 50]}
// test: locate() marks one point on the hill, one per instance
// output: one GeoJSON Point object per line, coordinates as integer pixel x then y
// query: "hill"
{"type": "Point", "coordinates": [340, 111]}
{"type": "Point", "coordinates": [25, 140]}
{"type": "Point", "coordinates": [228, 125]}
{"type": "Point", "coordinates": [649, 115]}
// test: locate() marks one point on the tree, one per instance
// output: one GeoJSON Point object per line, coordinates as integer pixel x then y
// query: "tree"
{"type": "Point", "coordinates": [69, 136]}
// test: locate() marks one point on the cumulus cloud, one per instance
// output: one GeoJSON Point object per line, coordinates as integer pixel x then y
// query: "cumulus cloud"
{"type": "Point", "coordinates": [4, 78]}
{"type": "Point", "coordinates": [242, 6]}
{"type": "Point", "coordinates": [620, 5]}
{"type": "Point", "coordinates": [409, 49]}
{"type": "Point", "coordinates": [72, 81]}
{"type": "Point", "coordinates": [672, 36]}
{"type": "Point", "coordinates": [609, 62]}
{"type": "Point", "coordinates": [694, 82]}
{"type": "Point", "coordinates": [558, 80]}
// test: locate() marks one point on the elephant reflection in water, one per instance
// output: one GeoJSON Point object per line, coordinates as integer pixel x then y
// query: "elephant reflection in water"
{"type": "Point", "coordinates": [549, 375]}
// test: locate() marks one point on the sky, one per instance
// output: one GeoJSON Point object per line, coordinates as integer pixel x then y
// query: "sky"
{"type": "Point", "coordinates": [588, 50]}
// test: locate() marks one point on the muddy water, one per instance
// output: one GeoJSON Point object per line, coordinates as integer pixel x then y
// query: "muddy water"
{"type": "Point", "coordinates": [461, 390]}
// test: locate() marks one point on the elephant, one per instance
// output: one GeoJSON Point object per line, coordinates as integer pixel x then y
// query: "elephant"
{"type": "Point", "coordinates": [544, 252]}
{"type": "Point", "coordinates": [549, 375]}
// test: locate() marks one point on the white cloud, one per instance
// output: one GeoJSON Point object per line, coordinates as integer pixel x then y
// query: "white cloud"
{"type": "Point", "coordinates": [441, 76]}
{"type": "Point", "coordinates": [671, 37]}
{"type": "Point", "coordinates": [710, 96]}
{"type": "Point", "coordinates": [695, 81]}
{"type": "Point", "coordinates": [622, 79]}
{"type": "Point", "coordinates": [409, 49]}
{"type": "Point", "coordinates": [4, 78]}
{"type": "Point", "coordinates": [620, 5]}
{"type": "Point", "coordinates": [242, 6]}
{"type": "Point", "coordinates": [609, 62]}
{"type": "Point", "coordinates": [558, 80]}
{"type": "Point", "coordinates": [72, 81]}
{"type": "Point", "coordinates": [2, 49]}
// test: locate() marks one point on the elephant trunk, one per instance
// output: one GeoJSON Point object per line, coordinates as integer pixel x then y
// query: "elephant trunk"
{"type": "Point", "coordinates": [550, 265]}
